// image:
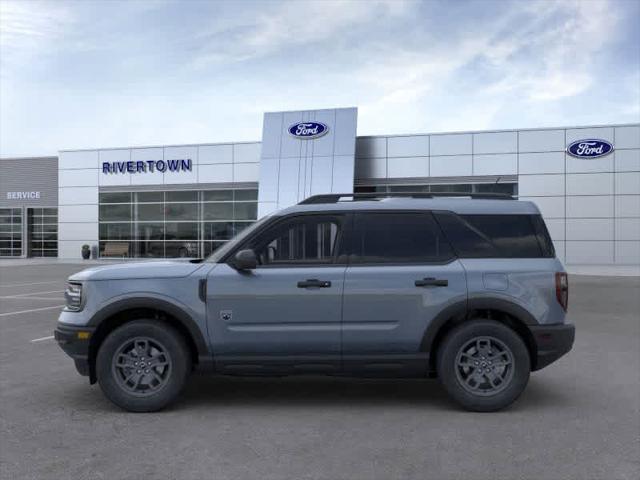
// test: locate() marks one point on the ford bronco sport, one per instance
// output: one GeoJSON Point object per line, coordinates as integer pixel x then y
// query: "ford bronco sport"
{"type": "Point", "coordinates": [413, 285]}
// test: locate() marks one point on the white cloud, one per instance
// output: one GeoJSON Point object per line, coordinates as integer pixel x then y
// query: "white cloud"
{"type": "Point", "coordinates": [288, 25]}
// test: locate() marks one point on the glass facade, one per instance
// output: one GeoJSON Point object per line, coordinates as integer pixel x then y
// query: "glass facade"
{"type": "Point", "coordinates": [42, 228]}
{"type": "Point", "coordinates": [10, 232]}
{"type": "Point", "coordinates": [185, 223]}
{"type": "Point", "coordinates": [507, 188]}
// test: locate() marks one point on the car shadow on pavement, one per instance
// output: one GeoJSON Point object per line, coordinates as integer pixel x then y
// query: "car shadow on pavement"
{"type": "Point", "coordinates": [307, 391]}
{"type": "Point", "coordinates": [331, 391]}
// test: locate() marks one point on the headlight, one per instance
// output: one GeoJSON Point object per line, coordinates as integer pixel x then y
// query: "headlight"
{"type": "Point", "coordinates": [73, 297]}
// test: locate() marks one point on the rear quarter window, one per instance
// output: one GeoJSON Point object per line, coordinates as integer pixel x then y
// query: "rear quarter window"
{"type": "Point", "coordinates": [496, 236]}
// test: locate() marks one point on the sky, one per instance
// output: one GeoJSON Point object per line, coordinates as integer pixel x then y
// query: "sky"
{"type": "Point", "coordinates": [87, 74]}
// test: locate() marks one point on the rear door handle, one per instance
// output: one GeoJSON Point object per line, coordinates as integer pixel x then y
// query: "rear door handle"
{"type": "Point", "coordinates": [313, 282]}
{"type": "Point", "coordinates": [432, 282]}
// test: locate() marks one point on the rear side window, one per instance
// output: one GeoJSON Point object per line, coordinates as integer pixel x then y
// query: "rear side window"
{"type": "Point", "coordinates": [397, 237]}
{"type": "Point", "coordinates": [497, 236]}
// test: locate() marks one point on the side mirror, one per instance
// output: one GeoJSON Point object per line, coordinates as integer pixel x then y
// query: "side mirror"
{"type": "Point", "coordinates": [245, 260]}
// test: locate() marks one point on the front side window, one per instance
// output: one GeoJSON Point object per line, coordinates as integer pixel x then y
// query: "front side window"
{"type": "Point", "coordinates": [397, 237]}
{"type": "Point", "coordinates": [309, 239]}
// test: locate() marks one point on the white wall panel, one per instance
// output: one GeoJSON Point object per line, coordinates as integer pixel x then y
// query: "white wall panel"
{"type": "Point", "coordinates": [292, 174]}
{"type": "Point", "coordinates": [496, 142]}
{"type": "Point", "coordinates": [215, 173]}
{"type": "Point", "coordinates": [627, 205]}
{"type": "Point", "coordinates": [371, 168]}
{"type": "Point", "coordinates": [627, 228]}
{"type": "Point", "coordinates": [77, 178]}
{"type": "Point", "coordinates": [215, 154]}
{"type": "Point", "coordinates": [371, 147]}
{"type": "Point", "coordinates": [451, 165]}
{"type": "Point", "coordinates": [590, 206]}
{"type": "Point", "coordinates": [541, 141]}
{"type": "Point", "coordinates": [342, 174]}
{"type": "Point", "coordinates": [322, 146]}
{"type": "Point", "coordinates": [72, 248]}
{"type": "Point", "coordinates": [601, 133]}
{"type": "Point", "coordinates": [628, 137]}
{"type": "Point", "coordinates": [266, 208]}
{"type": "Point", "coordinates": [540, 185]}
{"type": "Point", "coordinates": [246, 153]}
{"type": "Point", "coordinates": [628, 183]}
{"type": "Point", "coordinates": [344, 136]}
{"type": "Point", "coordinates": [78, 213]}
{"type": "Point", "coordinates": [78, 231]}
{"type": "Point", "coordinates": [79, 159]}
{"type": "Point", "coordinates": [545, 162]}
{"type": "Point", "coordinates": [403, 167]}
{"type": "Point", "coordinates": [269, 167]}
{"type": "Point", "coordinates": [585, 165]}
{"type": "Point", "coordinates": [246, 172]}
{"type": "Point", "coordinates": [590, 184]}
{"type": "Point", "coordinates": [321, 174]}
{"type": "Point", "coordinates": [78, 195]}
{"type": "Point", "coordinates": [555, 227]}
{"type": "Point", "coordinates": [452, 144]}
{"type": "Point", "coordinates": [500, 164]}
{"type": "Point", "coordinates": [272, 134]}
{"type": "Point", "coordinates": [550, 207]}
{"type": "Point", "coordinates": [146, 178]}
{"type": "Point", "coordinates": [594, 253]}
{"type": "Point", "coordinates": [627, 160]}
{"type": "Point", "coordinates": [628, 253]}
{"type": "Point", "coordinates": [589, 229]}
{"type": "Point", "coordinates": [410, 146]}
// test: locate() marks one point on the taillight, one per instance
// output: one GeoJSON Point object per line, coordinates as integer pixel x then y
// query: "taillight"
{"type": "Point", "coordinates": [562, 289]}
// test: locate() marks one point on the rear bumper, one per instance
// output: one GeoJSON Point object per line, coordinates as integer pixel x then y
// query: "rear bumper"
{"type": "Point", "coordinates": [74, 345]}
{"type": "Point", "coordinates": [552, 342]}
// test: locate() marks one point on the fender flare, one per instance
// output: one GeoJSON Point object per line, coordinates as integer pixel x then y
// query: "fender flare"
{"type": "Point", "coordinates": [461, 309]}
{"type": "Point", "coordinates": [155, 303]}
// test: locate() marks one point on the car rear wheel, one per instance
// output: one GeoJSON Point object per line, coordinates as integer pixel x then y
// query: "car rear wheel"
{"type": "Point", "coordinates": [484, 365]}
{"type": "Point", "coordinates": [143, 365]}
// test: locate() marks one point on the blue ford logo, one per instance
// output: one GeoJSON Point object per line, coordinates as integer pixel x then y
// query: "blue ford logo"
{"type": "Point", "coordinates": [590, 148]}
{"type": "Point", "coordinates": [308, 130]}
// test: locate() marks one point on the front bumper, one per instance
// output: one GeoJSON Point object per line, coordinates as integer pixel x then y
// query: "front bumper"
{"type": "Point", "coordinates": [552, 342]}
{"type": "Point", "coordinates": [75, 343]}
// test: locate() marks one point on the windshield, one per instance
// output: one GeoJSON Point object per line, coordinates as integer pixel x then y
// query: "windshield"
{"type": "Point", "coordinates": [231, 244]}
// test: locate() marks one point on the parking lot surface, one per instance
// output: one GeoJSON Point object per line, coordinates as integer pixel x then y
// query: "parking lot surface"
{"type": "Point", "coordinates": [578, 419]}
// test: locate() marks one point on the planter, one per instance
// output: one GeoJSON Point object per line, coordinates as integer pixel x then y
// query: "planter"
{"type": "Point", "coordinates": [86, 252]}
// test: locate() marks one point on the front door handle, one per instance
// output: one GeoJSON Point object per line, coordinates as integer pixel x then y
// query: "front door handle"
{"type": "Point", "coordinates": [432, 282]}
{"type": "Point", "coordinates": [313, 282]}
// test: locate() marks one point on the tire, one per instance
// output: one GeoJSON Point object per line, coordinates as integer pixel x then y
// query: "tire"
{"type": "Point", "coordinates": [163, 371]}
{"type": "Point", "coordinates": [489, 344]}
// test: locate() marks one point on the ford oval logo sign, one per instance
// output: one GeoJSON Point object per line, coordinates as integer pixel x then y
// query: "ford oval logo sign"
{"type": "Point", "coordinates": [308, 130]}
{"type": "Point", "coordinates": [590, 148]}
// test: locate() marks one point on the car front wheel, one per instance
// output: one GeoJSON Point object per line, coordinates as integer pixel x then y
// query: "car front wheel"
{"type": "Point", "coordinates": [143, 365]}
{"type": "Point", "coordinates": [484, 365]}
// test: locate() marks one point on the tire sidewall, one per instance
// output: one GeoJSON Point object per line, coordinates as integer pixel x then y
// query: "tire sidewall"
{"type": "Point", "coordinates": [171, 339]}
{"type": "Point", "coordinates": [446, 365]}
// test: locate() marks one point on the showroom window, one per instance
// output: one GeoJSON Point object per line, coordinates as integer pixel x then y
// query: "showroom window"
{"type": "Point", "coordinates": [173, 223]}
{"type": "Point", "coordinates": [42, 225]}
{"type": "Point", "coordinates": [10, 232]}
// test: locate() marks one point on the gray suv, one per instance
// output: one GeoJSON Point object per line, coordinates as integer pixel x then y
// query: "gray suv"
{"type": "Point", "coordinates": [413, 285]}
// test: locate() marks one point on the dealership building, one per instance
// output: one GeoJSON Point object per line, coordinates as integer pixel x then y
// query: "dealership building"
{"type": "Point", "coordinates": [186, 200]}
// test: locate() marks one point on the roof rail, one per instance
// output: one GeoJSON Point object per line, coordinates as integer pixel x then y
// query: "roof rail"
{"type": "Point", "coordinates": [335, 197]}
